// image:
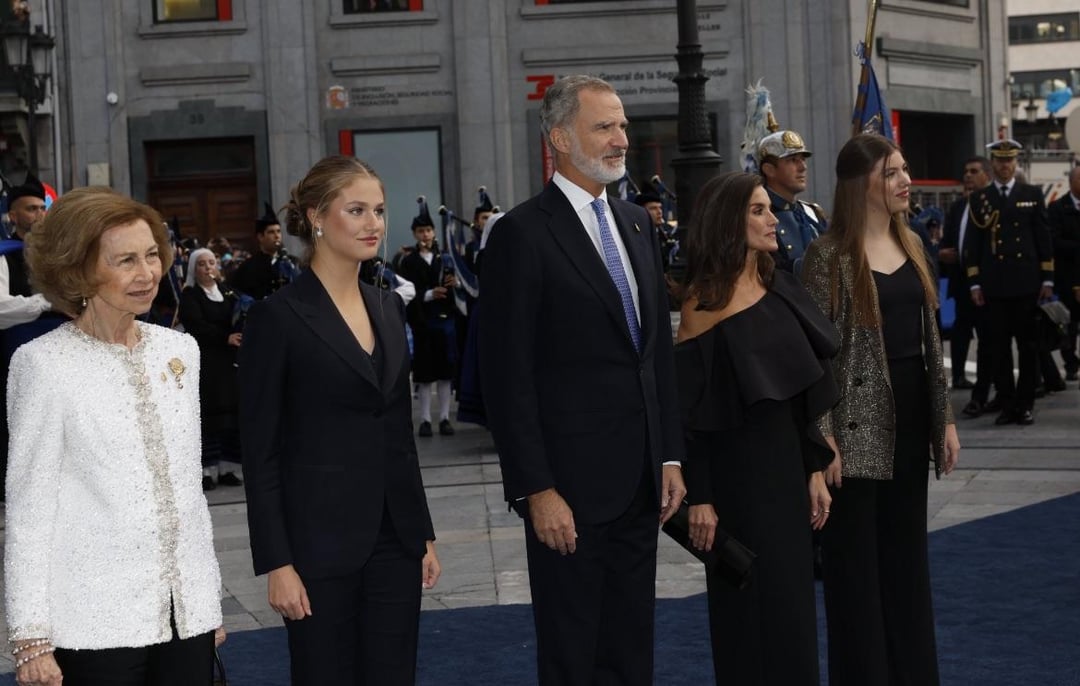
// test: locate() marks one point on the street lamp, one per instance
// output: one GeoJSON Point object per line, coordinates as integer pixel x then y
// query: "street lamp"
{"type": "Point", "coordinates": [27, 57]}
{"type": "Point", "coordinates": [697, 161]}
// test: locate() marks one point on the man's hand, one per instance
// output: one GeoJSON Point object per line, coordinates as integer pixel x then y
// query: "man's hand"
{"type": "Point", "coordinates": [287, 594]}
{"type": "Point", "coordinates": [438, 293]}
{"type": "Point", "coordinates": [977, 297]}
{"type": "Point", "coordinates": [553, 521]}
{"type": "Point", "coordinates": [1046, 293]}
{"type": "Point", "coordinates": [672, 491]}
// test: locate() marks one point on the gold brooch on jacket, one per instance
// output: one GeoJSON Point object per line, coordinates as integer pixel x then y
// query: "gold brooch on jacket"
{"type": "Point", "coordinates": [177, 369]}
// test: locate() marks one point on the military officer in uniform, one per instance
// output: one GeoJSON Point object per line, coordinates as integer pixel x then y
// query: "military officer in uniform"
{"type": "Point", "coordinates": [782, 160]}
{"type": "Point", "coordinates": [1063, 216]}
{"type": "Point", "coordinates": [1010, 267]}
{"type": "Point", "coordinates": [665, 233]}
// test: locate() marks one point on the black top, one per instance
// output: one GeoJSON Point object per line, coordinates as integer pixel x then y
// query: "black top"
{"type": "Point", "coordinates": [777, 349]}
{"type": "Point", "coordinates": [901, 299]}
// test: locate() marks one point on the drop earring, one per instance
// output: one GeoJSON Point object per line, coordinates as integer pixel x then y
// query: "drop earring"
{"type": "Point", "coordinates": [318, 232]}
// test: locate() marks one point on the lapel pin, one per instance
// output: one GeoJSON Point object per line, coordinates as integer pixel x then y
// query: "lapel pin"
{"type": "Point", "coordinates": [637, 228]}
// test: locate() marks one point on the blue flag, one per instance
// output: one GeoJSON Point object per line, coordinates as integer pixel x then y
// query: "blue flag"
{"type": "Point", "coordinates": [871, 115]}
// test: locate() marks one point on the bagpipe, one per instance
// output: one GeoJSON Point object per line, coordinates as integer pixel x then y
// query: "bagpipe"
{"type": "Point", "coordinates": [454, 230]}
{"type": "Point", "coordinates": [242, 303]}
{"type": "Point", "coordinates": [284, 266]}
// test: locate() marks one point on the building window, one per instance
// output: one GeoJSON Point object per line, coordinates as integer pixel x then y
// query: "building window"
{"type": "Point", "coordinates": [565, 2]}
{"type": "Point", "coordinates": [168, 11]}
{"type": "Point", "coordinates": [1044, 28]}
{"type": "Point", "coordinates": [363, 6]}
{"type": "Point", "coordinates": [1042, 83]}
{"type": "Point", "coordinates": [953, 3]}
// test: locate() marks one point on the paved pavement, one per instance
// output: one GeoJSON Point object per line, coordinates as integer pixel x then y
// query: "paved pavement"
{"type": "Point", "coordinates": [482, 546]}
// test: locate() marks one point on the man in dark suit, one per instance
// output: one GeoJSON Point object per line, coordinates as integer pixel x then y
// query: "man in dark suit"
{"type": "Point", "coordinates": [976, 175]}
{"type": "Point", "coordinates": [1063, 215]}
{"type": "Point", "coordinates": [578, 378]}
{"type": "Point", "coordinates": [1010, 268]}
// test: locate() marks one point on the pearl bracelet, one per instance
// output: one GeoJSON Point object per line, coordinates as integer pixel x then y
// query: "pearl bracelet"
{"type": "Point", "coordinates": [33, 656]}
{"type": "Point", "coordinates": [32, 644]}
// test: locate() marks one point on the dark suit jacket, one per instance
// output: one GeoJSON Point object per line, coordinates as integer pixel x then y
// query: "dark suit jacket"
{"type": "Point", "coordinates": [571, 403]}
{"type": "Point", "coordinates": [1064, 220]}
{"type": "Point", "coordinates": [950, 238]}
{"type": "Point", "coordinates": [325, 442]}
{"type": "Point", "coordinates": [210, 324]}
{"type": "Point", "coordinates": [1009, 253]}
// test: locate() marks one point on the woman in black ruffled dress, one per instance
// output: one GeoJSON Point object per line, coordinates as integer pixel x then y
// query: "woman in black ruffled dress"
{"type": "Point", "coordinates": [753, 369]}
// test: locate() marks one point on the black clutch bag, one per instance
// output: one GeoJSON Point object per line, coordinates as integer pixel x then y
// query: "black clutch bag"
{"type": "Point", "coordinates": [1051, 325]}
{"type": "Point", "coordinates": [729, 559]}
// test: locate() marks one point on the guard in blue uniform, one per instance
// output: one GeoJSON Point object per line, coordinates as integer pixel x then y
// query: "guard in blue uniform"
{"type": "Point", "coordinates": [1010, 269]}
{"type": "Point", "coordinates": [782, 162]}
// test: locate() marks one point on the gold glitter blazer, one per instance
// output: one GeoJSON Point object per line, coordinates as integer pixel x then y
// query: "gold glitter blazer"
{"type": "Point", "coordinates": [864, 422]}
{"type": "Point", "coordinates": [108, 532]}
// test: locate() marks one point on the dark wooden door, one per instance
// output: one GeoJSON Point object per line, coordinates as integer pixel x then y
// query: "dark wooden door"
{"type": "Point", "coordinates": [209, 185]}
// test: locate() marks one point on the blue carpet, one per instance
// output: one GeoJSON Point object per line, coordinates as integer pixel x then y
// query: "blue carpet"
{"type": "Point", "coordinates": [1006, 594]}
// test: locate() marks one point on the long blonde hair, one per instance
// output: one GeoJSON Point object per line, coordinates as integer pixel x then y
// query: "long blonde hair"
{"type": "Point", "coordinates": [854, 165]}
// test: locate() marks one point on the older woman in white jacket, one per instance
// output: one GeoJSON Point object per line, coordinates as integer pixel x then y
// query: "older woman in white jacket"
{"type": "Point", "coordinates": [110, 572]}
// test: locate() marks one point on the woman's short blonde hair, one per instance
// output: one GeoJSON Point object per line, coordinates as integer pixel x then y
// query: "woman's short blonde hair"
{"type": "Point", "coordinates": [62, 249]}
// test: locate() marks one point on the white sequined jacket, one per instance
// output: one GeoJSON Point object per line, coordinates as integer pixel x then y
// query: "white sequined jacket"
{"type": "Point", "coordinates": [107, 525]}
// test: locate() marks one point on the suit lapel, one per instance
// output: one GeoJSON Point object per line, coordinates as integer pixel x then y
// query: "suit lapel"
{"type": "Point", "coordinates": [570, 234]}
{"type": "Point", "coordinates": [389, 335]}
{"type": "Point", "coordinates": [313, 305]}
{"type": "Point", "coordinates": [636, 238]}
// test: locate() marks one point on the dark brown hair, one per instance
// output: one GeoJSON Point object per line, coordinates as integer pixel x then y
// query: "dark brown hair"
{"type": "Point", "coordinates": [716, 245]}
{"type": "Point", "coordinates": [319, 187]}
{"type": "Point", "coordinates": [854, 165]}
{"type": "Point", "coordinates": [62, 249]}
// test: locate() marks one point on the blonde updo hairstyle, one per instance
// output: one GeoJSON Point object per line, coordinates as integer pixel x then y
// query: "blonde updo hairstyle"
{"type": "Point", "coordinates": [62, 249]}
{"type": "Point", "coordinates": [319, 187]}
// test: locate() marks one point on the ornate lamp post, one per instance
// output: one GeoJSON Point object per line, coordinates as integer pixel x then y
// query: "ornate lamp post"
{"type": "Point", "coordinates": [27, 57]}
{"type": "Point", "coordinates": [697, 161]}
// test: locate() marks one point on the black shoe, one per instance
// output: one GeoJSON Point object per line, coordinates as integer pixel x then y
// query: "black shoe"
{"type": "Point", "coordinates": [425, 430]}
{"type": "Point", "coordinates": [993, 406]}
{"type": "Point", "coordinates": [962, 384]}
{"type": "Point", "coordinates": [229, 479]}
{"type": "Point", "coordinates": [973, 409]}
{"type": "Point", "coordinates": [1072, 376]}
{"type": "Point", "coordinates": [208, 483]}
{"type": "Point", "coordinates": [1040, 391]}
{"type": "Point", "coordinates": [1007, 417]}
{"type": "Point", "coordinates": [1055, 386]}
{"type": "Point", "coordinates": [445, 429]}
{"type": "Point", "coordinates": [1025, 418]}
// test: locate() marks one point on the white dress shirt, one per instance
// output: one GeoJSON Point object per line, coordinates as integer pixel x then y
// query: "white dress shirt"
{"type": "Point", "coordinates": [580, 200]}
{"type": "Point", "coordinates": [17, 309]}
{"type": "Point", "coordinates": [107, 524]}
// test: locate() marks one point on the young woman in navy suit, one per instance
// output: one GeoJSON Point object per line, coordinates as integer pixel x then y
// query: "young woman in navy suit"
{"type": "Point", "coordinates": [336, 507]}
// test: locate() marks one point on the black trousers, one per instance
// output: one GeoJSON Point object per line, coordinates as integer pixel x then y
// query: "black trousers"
{"type": "Point", "coordinates": [363, 627]}
{"type": "Point", "coordinates": [594, 609]}
{"type": "Point", "coordinates": [876, 567]}
{"type": "Point", "coordinates": [1014, 318]}
{"type": "Point", "coordinates": [180, 662]}
{"type": "Point", "coordinates": [960, 335]}
{"type": "Point", "coordinates": [1068, 346]}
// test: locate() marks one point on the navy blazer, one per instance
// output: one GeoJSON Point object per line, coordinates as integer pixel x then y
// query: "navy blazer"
{"type": "Point", "coordinates": [327, 444]}
{"type": "Point", "coordinates": [1064, 220]}
{"type": "Point", "coordinates": [571, 404]}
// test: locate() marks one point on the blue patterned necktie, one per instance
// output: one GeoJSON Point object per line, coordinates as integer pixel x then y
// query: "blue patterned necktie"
{"type": "Point", "coordinates": [618, 274]}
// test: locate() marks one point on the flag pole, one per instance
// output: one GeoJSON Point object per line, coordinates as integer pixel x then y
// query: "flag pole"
{"type": "Point", "coordinates": [864, 75]}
